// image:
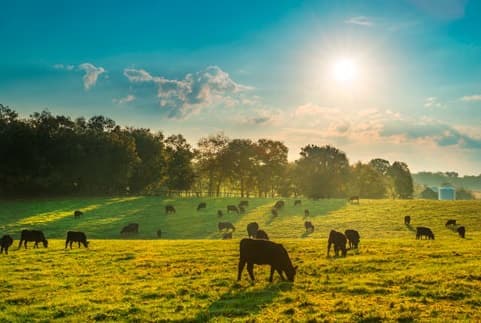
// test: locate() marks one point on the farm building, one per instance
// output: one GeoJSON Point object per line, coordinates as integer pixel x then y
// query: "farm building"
{"type": "Point", "coordinates": [447, 193]}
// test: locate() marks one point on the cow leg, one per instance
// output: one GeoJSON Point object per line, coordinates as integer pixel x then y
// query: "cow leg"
{"type": "Point", "coordinates": [1, 250]}
{"type": "Point", "coordinates": [79, 244]}
{"type": "Point", "coordinates": [250, 270]}
{"type": "Point", "coordinates": [71, 242]}
{"type": "Point", "coordinates": [66, 243]}
{"type": "Point", "coordinates": [242, 263]}
{"type": "Point", "coordinates": [279, 271]}
{"type": "Point", "coordinates": [20, 244]}
{"type": "Point", "coordinates": [328, 248]}
{"type": "Point", "coordinates": [6, 250]}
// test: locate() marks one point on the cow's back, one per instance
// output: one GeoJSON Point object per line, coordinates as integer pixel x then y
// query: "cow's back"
{"type": "Point", "coordinates": [259, 251]}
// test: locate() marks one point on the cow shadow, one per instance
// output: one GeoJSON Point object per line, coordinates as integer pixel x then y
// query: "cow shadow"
{"type": "Point", "coordinates": [306, 234]}
{"type": "Point", "coordinates": [242, 301]}
{"type": "Point", "coordinates": [410, 227]}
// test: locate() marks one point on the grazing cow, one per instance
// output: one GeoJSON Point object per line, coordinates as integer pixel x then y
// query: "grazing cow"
{"type": "Point", "coordinates": [353, 199]}
{"type": "Point", "coordinates": [219, 213]}
{"type": "Point", "coordinates": [279, 205]}
{"type": "Point", "coordinates": [274, 213]}
{"type": "Point", "coordinates": [309, 226]}
{"type": "Point", "coordinates": [227, 236]}
{"type": "Point", "coordinates": [244, 203]}
{"type": "Point", "coordinates": [407, 220]}
{"type": "Point", "coordinates": [242, 210]}
{"type": "Point", "coordinates": [252, 229]}
{"type": "Point", "coordinates": [450, 222]}
{"type": "Point", "coordinates": [159, 233]}
{"type": "Point", "coordinates": [306, 213]}
{"type": "Point", "coordinates": [32, 235]}
{"type": "Point", "coordinates": [339, 240]}
{"type": "Point", "coordinates": [77, 214]}
{"type": "Point", "coordinates": [297, 202]}
{"type": "Point", "coordinates": [5, 243]}
{"type": "Point", "coordinates": [232, 208]}
{"type": "Point", "coordinates": [130, 228]}
{"type": "Point", "coordinates": [261, 234]}
{"type": "Point", "coordinates": [353, 238]}
{"type": "Point", "coordinates": [265, 252]}
{"type": "Point", "coordinates": [201, 205]}
{"type": "Point", "coordinates": [169, 209]}
{"type": "Point", "coordinates": [424, 232]}
{"type": "Point", "coordinates": [461, 231]}
{"type": "Point", "coordinates": [73, 236]}
{"type": "Point", "coordinates": [225, 225]}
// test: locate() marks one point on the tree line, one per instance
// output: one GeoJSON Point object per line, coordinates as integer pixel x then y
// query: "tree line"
{"type": "Point", "coordinates": [47, 154]}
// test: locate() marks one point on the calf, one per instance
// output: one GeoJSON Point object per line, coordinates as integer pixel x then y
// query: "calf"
{"type": "Point", "coordinates": [130, 228]}
{"type": "Point", "coordinates": [232, 208]}
{"type": "Point", "coordinates": [201, 205]}
{"type": "Point", "coordinates": [279, 205]}
{"type": "Point", "coordinates": [461, 231]}
{"type": "Point", "coordinates": [309, 226]}
{"type": "Point", "coordinates": [261, 234]}
{"type": "Point", "coordinates": [77, 214]}
{"type": "Point", "coordinates": [339, 240]}
{"type": "Point", "coordinates": [244, 203]}
{"type": "Point", "coordinates": [32, 235]}
{"type": "Point", "coordinates": [73, 236]}
{"type": "Point", "coordinates": [407, 220]}
{"type": "Point", "coordinates": [297, 202]}
{"type": "Point", "coordinates": [450, 222]}
{"type": "Point", "coordinates": [225, 225]}
{"type": "Point", "coordinates": [169, 209]}
{"type": "Point", "coordinates": [354, 199]}
{"type": "Point", "coordinates": [219, 214]}
{"type": "Point", "coordinates": [424, 232]}
{"type": "Point", "coordinates": [353, 238]}
{"type": "Point", "coordinates": [252, 229]}
{"type": "Point", "coordinates": [306, 213]}
{"type": "Point", "coordinates": [265, 252]}
{"type": "Point", "coordinates": [227, 236]}
{"type": "Point", "coordinates": [5, 243]}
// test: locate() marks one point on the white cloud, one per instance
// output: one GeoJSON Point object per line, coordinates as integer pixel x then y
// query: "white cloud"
{"type": "Point", "coordinates": [469, 98]}
{"type": "Point", "coordinates": [127, 99]}
{"type": "Point", "coordinates": [179, 98]}
{"type": "Point", "coordinates": [91, 74]}
{"type": "Point", "coordinates": [360, 21]}
{"type": "Point", "coordinates": [64, 67]}
{"type": "Point", "coordinates": [432, 102]}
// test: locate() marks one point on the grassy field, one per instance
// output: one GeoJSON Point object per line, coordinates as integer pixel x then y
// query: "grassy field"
{"type": "Point", "coordinates": [393, 277]}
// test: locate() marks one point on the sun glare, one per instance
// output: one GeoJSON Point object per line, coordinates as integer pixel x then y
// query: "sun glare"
{"type": "Point", "coordinates": [345, 71]}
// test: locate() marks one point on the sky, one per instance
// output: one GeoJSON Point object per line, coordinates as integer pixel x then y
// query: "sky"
{"type": "Point", "coordinates": [399, 80]}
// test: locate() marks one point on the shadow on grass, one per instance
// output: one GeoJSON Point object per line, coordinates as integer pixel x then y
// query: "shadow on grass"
{"type": "Point", "coordinates": [241, 302]}
{"type": "Point", "coordinates": [410, 228]}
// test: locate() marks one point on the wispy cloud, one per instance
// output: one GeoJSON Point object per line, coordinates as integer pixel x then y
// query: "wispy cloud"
{"type": "Point", "coordinates": [432, 102]}
{"type": "Point", "coordinates": [127, 99]}
{"type": "Point", "coordinates": [360, 21]}
{"type": "Point", "coordinates": [181, 97]}
{"type": "Point", "coordinates": [91, 75]}
{"type": "Point", "coordinates": [469, 98]}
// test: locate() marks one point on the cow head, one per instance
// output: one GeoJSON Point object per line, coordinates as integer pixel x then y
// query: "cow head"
{"type": "Point", "coordinates": [291, 273]}
{"type": "Point", "coordinates": [45, 243]}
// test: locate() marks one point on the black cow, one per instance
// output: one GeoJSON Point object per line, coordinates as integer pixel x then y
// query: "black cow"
{"type": "Point", "coordinates": [225, 225]}
{"type": "Point", "coordinates": [5, 243]}
{"type": "Point", "coordinates": [232, 208]}
{"type": "Point", "coordinates": [130, 228]}
{"type": "Point", "coordinates": [306, 213]}
{"type": "Point", "coordinates": [461, 231]}
{"type": "Point", "coordinates": [73, 236]}
{"type": "Point", "coordinates": [244, 203]}
{"type": "Point", "coordinates": [424, 232]}
{"type": "Point", "coordinates": [297, 202]}
{"type": "Point", "coordinates": [407, 220]}
{"type": "Point", "coordinates": [339, 240]}
{"type": "Point", "coordinates": [450, 222]}
{"type": "Point", "coordinates": [265, 252]}
{"type": "Point", "coordinates": [353, 199]}
{"type": "Point", "coordinates": [169, 209]}
{"type": "Point", "coordinates": [77, 214]}
{"type": "Point", "coordinates": [279, 205]}
{"type": "Point", "coordinates": [261, 234]}
{"type": "Point", "coordinates": [159, 233]}
{"type": "Point", "coordinates": [274, 213]}
{"type": "Point", "coordinates": [252, 229]}
{"type": "Point", "coordinates": [201, 205]}
{"type": "Point", "coordinates": [242, 209]}
{"type": "Point", "coordinates": [32, 235]}
{"type": "Point", "coordinates": [353, 238]}
{"type": "Point", "coordinates": [309, 226]}
{"type": "Point", "coordinates": [227, 236]}
{"type": "Point", "coordinates": [219, 213]}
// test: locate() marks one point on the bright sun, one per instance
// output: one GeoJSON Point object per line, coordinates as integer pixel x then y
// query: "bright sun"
{"type": "Point", "coordinates": [345, 71]}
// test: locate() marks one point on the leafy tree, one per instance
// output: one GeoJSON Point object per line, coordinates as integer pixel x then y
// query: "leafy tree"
{"type": "Point", "coordinates": [402, 179]}
{"type": "Point", "coordinates": [367, 181]}
{"type": "Point", "coordinates": [239, 160]}
{"type": "Point", "coordinates": [179, 156]}
{"type": "Point", "coordinates": [271, 164]}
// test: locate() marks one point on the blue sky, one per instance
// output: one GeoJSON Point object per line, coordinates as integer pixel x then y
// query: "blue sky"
{"type": "Point", "coordinates": [256, 69]}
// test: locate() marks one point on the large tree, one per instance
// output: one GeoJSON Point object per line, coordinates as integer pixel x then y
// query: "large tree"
{"type": "Point", "coordinates": [403, 182]}
{"type": "Point", "coordinates": [179, 156]}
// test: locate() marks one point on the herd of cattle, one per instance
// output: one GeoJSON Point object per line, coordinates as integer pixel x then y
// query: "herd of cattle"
{"type": "Point", "coordinates": [427, 233]}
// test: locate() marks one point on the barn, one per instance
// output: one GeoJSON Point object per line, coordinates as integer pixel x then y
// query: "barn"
{"type": "Point", "coordinates": [446, 193]}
